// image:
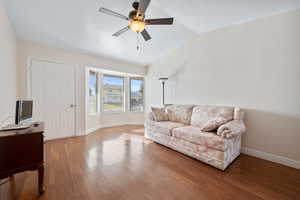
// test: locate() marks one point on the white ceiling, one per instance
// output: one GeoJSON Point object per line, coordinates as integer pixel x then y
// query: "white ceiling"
{"type": "Point", "coordinates": [77, 24]}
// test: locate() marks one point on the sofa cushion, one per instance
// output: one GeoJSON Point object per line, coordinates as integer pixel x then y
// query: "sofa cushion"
{"type": "Point", "coordinates": [202, 114]}
{"type": "Point", "coordinates": [196, 136]}
{"type": "Point", "coordinates": [213, 124]}
{"type": "Point", "coordinates": [165, 127]}
{"type": "Point", "coordinates": [159, 114]}
{"type": "Point", "coordinates": [180, 113]}
{"type": "Point", "coordinates": [231, 129]}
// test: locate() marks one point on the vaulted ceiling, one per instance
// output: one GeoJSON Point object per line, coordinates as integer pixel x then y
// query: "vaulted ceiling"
{"type": "Point", "coordinates": [77, 24]}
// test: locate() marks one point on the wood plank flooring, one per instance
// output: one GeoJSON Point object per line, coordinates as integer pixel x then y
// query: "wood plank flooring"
{"type": "Point", "coordinates": [118, 164]}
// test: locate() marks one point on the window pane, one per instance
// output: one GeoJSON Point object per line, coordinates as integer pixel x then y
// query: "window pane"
{"type": "Point", "coordinates": [93, 92]}
{"type": "Point", "coordinates": [113, 90]}
{"type": "Point", "coordinates": [136, 95]}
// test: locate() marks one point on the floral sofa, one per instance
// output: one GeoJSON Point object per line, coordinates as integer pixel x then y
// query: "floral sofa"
{"type": "Point", "coordinates": [181, 131]}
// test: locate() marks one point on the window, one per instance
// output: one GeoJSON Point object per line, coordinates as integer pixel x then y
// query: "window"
{"type": "Point", "coordinates": [93, 92]}
{"type": "Point", "coordinates": [113, 93]}
{"type": "Point", "coordinates": [136, 94]}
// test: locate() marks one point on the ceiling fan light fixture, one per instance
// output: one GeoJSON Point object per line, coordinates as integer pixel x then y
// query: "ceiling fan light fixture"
{"type": "Point", "coordinates": [137, 26]}
{"type": "Point", "coordinates": [136, 19]}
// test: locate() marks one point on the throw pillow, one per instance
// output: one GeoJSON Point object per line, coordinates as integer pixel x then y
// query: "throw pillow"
{"type": "Point", "coordinates": [159, 114]}
{"type": "Point", "coordinates": [180, 113]}
{"type": "Point", "coordinates": [213, 124]}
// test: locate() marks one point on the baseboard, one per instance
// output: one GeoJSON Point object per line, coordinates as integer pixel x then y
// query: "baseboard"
{"type": "Point", "coordinates": [91, 130]}
{"type": "Point", "coordinates": [121, 124]}
{"type": "Point", "coordinates": [80, 134]}
{"type": "Point", "coordinates": [271, 157]}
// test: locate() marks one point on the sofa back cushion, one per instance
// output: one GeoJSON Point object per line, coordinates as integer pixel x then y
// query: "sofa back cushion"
{"type": "Point", "coordinates": [202, 114]}
{"type": "Point", "coordinates": [180, 113]}
{"type": "Point", "coordinates": [159, 114]}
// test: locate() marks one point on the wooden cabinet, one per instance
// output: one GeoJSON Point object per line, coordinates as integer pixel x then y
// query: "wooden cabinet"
{"type": "Point", "coordinates": [22, 150]}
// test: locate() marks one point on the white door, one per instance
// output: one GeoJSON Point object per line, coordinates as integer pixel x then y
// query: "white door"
{"type": "Point", "coordinates": [53, 94]}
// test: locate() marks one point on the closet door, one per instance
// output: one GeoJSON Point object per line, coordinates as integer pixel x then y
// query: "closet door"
{"type": "Point", "coordinates": [53, 94]}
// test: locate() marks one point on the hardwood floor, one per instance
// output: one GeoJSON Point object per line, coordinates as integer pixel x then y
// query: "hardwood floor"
{"type": "Point", "coordinates": [117, 163]}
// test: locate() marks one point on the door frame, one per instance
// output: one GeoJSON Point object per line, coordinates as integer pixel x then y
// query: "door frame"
{"type": "Point", "coordinates": [29, 84]}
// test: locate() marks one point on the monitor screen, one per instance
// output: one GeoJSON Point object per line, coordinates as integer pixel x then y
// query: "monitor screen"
{"type": "Point", "coordinates": [23, 111]}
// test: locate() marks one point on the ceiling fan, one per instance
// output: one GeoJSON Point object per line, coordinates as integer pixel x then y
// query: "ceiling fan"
{"type": "Point", "coordinates": [136, 18]}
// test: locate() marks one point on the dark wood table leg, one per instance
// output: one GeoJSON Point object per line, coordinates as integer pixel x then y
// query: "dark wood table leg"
{"type": "Point", "coordinates": [41, 179]}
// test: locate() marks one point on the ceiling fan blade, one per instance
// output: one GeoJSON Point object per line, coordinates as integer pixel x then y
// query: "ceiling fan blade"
{"type": "Point", "coordinates": [143, 5]}
{"type": "Point", "coordinates": [146, 35]}
{"type": "Point", "coordinates": [161, 21]}
{"type": "Point", "coordinates": [112, 13]}
{"type": "Point", "coordinates": [123, 30]}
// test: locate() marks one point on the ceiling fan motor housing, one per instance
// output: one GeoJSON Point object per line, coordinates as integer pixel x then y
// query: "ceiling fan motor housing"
{"type": "Point", "coordinates": [135, 5]}
{"type": "Point", "coordinates": [134, 15]}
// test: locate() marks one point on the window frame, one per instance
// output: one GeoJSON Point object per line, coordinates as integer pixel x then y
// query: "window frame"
{"type": "Point", "coordinates": [97, 93]}
{"type": "Point", "coordinates": [123, 93]}
{"type": "Point", "coordinates": [129, 95]}
{"type": "Point", "coordinates": [126, 90]}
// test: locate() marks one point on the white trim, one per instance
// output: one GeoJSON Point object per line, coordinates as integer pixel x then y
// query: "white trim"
{"type": "Point", "coordinates": [122, 124]}
{"type": "Point", "coordinates": [91, 130]}
{"type": "Point", "coordinates": [144, 96]}
{"type": "Point", "coordinates": [29, 83]}
{"type": "Point", "coordinates": [87, 88]}
{"type": "Point", "coordinates": [271, 157]}
{"type": "Point", "coordinates": [75, 100]}
{"type": "Point", "coordinates": [116, 73]}
{"type": "Point", "coordinates": [113, 113]}
{"type": "Point", "coordinates": [124, 93]}
{"type": "Point", "coordinates": [127, 94]}
{"type": "Point", "coordinates": [80, 134]}
{"type": "Point", "coordinates": [86, 97]}
{"type": "Point", "coordinates": [126, 89]}
{"type": "Point", "coordinates": [60, 138]}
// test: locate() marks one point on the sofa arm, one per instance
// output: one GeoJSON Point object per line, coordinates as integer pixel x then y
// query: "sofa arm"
{"type": "Point", "coordinates": [231, 129]}
{"type": "Point", "coordinates": [150, 117]}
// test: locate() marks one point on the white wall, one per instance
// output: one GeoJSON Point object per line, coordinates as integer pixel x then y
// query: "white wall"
{"type": "Point", "coordinates": [255, 66]}
{"type": "Point", "coordinates": [8, 67]}
{"type": "Point", "coordinates": [29, 49]}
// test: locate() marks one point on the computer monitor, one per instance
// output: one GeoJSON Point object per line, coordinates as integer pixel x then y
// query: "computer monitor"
{"type": "Point", "coordinates": [23, 111]}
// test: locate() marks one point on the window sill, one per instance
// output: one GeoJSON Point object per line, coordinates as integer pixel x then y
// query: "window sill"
{"type": "Point", "coordinates": [112, 112]}
{"type": "Point", "coordinates": [93, 114]}
{"type": "Point", "coordinates": [136, 111]}
{"type": "Point", "coordinates": [116, 112]}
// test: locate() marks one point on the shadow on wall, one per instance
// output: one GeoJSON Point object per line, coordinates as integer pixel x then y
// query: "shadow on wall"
{"type": "Point", "coordinates": [174, 79]}
{"type": "Point", "coordinates": [273, 133]}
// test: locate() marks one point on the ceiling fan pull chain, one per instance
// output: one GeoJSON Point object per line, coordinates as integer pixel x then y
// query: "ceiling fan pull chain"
{"type": "Point", "coordinates": [137, 41]}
